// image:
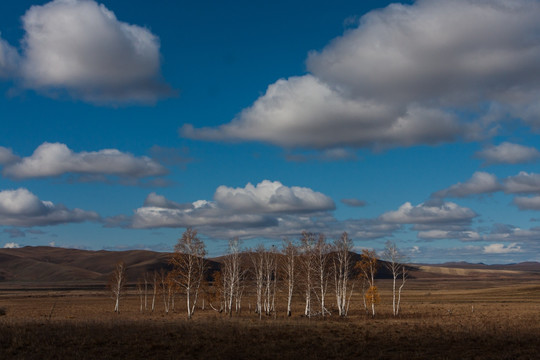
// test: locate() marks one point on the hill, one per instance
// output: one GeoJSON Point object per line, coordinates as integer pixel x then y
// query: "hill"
{"type": "Point", "coordinates": [52, 265]}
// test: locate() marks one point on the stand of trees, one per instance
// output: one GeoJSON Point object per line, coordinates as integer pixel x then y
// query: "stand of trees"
{"type": "Point", "coordinates": [309, 269]}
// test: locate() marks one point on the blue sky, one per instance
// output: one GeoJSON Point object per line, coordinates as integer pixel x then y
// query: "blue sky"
{"type": "Point", "coordinates": [124, 122]}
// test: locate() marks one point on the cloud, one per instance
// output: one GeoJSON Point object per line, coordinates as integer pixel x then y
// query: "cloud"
{"type": "Point", "coordinates": [354, 202]}
{"type": "Point", "coordinates": [11, 245]}
{"type": "Point", "coordinates": [405, 76]}
{"type": "Point", "coordinates": [7, 156]}
{"type": "Point", "coordinates": [22, 208]}
{"type": "Point", "coordinates": [268, 209]}
{"type": "Point", "coordinates": [9, 59]}
{"type": "Point", "coordinates": [305, 112]}
{"type": "Point", "coordinates": [508, 153]}
{"type": "Point", "coordinates": [522, 183]}
{"type": "Point", "coordinates": [501, 249]}
{"type": "Point", "coordinates": [272, 197]}
{"type": "Point", "coordinates": [432, 214]}
{"type": "Point", "coordinates": [79, 47]}
{"type": "Point", "coordinates": [527, 203]}
{"type": "Point", "coordinates": [462, 235]}
{"type": "Point", "coordinates": [479, 183]}
{"type": "Point", "coordinates": [55, 159]}
{"type": "Point", "coordinates": [159, 201]}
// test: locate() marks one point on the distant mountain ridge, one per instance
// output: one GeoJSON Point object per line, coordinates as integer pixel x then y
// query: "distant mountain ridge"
{"type": "Point", "coordinates": [42, 264]}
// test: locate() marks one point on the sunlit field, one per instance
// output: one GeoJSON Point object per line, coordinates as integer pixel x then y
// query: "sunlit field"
{"type": "Point", "coordinates": [440, 319]}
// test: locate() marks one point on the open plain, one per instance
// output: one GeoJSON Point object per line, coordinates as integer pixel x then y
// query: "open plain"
{"type": "Point", "coordinates": [452, 317]}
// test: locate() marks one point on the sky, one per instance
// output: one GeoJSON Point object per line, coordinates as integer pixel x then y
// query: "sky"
{"type": "Point", "coordinates": [124, 122]}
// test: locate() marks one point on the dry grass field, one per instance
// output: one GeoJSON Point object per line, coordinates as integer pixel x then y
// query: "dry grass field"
{"type": "Point", "coordinates": [454, 318]}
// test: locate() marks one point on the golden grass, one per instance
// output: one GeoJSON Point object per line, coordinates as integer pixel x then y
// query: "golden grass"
{"type": "Point", "coordinates": [488, 319]}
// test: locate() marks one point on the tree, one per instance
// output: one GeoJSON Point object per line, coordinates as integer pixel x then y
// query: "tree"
{"type": "Point", "coordinates": [290, 252]}
{"type": "Point", "coordinates": [232, 277]}
{"type": "Point", "coordinates": [117, 283]}
{"type": "Point", "coordinates": [257, 262]}
{"type": "Point", "coordinates": [140, 291]}
{"type": "Point", "coordinates": [394, 263]}
{"type": "Point", "coordinates": [155, 284]}
{"type": "Point", "coordinates": [166, 285]}
{"type": "Point", "coordinates": [189, 267]}
{"type": "Point", "coordinates": [342, 271]}
{"type": "Point", "coordinates": [322, 254]}
{"type": "Point", "coordinates": [307, 267]}
{"type": "Point", "coordinates": [368, 267]}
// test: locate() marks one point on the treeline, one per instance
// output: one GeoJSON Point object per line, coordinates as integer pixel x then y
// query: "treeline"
{"type": "Point", "coordinates": [323, 273]}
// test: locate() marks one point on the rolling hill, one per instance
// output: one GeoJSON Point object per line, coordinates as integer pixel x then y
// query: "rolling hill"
{"type": "Point", "coordinates": [50, 265]}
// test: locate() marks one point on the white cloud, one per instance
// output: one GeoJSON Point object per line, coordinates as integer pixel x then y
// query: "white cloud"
{"type": "Point", "coordinates": [501, 249]}
{"type": "Point", "coordinates": [11, 245]}
{"type": "Point", "coordinates": [268, 209]}
{"type": "Point", "coordinates": [508, 153]}
{"type": "Point", "coordinates": [80, 47]}
{"type": "Point", "coordinates": [522, 183]}
{"type": "Point", "coordinates": [22, 208]}
{"type": "Point", "coordinates": [432, 214]}
{"type": "Point", "coordinates": [55, 159]}
{"type": "Point", "coordinates": [305, 112]}
{"type": "Point", "coordinates": [272, 197]}
{"type": "Point", "coordinates": [479, 183]}
{"type": "Point", "coordinates": [9, 59]}
{"type": "Point", "coordinates": [402, 77]}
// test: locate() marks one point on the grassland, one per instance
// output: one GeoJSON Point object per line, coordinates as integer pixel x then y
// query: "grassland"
{"type": "Point", "coordinates": [469, 318]}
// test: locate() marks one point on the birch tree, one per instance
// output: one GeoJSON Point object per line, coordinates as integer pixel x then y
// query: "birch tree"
{"type": "Point", "coordinates": [257, 262]}
{"type": "Point", "coordinates": [342, 271]}
{"type": "Point", "coordinates": [232, 277]}
{"type": "Point", "coordinates": [117, 283]}
{"type": "Point", "coordinates": [189, 267]}
{"type": "Point", "coordinates": [155, 284]}
{"type": "Point", "coordinates": [140, 291]}
{"type": "Point", "coordinates": [166, 287]}
{"type": "Point", "coordinates": [368, 267]}
{"type": "Point", "coordinates": [270, 280]}
{"type": "Point", "coordinates": [394, 263]}
{"type": "Point", "coordinates": [307, 267]}
{"type": "Point", "coordinates": [322, 254]}
{"type": "Point", "coordinates": [290, 254]}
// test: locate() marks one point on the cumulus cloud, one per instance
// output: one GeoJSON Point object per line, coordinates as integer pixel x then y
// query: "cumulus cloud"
{"type": "Point", "coordinates": [432, 214]}
{"type": "Point", "coordinates": [11, 245]}
{"type": "Point", "coordinates": [502, 249]}
{"type": "Point", "coordinates": [79, 47]}
{"type": "Point", "coordinates": [402, 78]}
{"type": "Point", "coordinates": [479, 183]}
{"type": "Point", "coordinates": [508, 153]}
{"type": "Point", "coordinates": [305, 112]}
{"type": "Point", "coordinates": [22, 208]}
{"type": "Point", "coordinates": [522, 183]}
{"type": "Point", "coordinates": [55, 159]}
{"type": "Point", "coordinates": [353, 202]}
{"type": "Point", "coordinates": [268, 209]}
{"type": "Point", "coordinates": [272, 197]}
